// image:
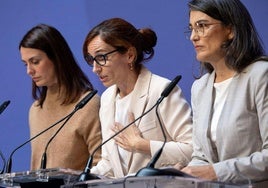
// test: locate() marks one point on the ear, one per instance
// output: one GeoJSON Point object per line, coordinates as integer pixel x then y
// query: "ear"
{"type": "Point", "coordinates": [230, 32]}
{"type": "Point", "coordinates": [131, 54]}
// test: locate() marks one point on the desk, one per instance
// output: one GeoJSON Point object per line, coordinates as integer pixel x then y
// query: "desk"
{"type": "Point", "coordinates": [151, 182]}
{"type": "Point", "coordinates": [52, 178]}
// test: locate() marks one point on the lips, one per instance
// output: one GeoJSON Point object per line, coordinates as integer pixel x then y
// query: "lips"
{"type": "Point", "coordinates": [102, 78]}
{"type": "Point", "coordinates": [35, 79]}
{"type": "Point", "coordinates": [197, 47]}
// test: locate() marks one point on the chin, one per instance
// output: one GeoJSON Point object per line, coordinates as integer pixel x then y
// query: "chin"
{"type": "Point", "coordinates": [200, 58]}
{"type": "Point", "coordinates": [106, 84]}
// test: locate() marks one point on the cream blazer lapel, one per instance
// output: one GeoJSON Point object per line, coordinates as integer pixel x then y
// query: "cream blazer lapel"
{"type": "Point", "coordinates": [139, 100]}
{"type": "Point", "coordinates": [108, 110]}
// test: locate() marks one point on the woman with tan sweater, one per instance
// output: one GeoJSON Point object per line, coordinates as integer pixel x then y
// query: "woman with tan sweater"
{"type": "Point", "coordinates": [58, 84]}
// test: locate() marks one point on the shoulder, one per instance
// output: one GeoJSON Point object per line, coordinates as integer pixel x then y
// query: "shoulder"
{"type": "Point", "coordinates": [34, 107]}
{"type": "Point", "coordinates": [256, 72]}
{"type": "Point", "coordinates": [156, 82]}
{"type": "Point", "coordinates": [203, 81]}
{"type": "Point", "coordinates": [109, 92]}
{"type": "Point", "coordinates": [258, 67]}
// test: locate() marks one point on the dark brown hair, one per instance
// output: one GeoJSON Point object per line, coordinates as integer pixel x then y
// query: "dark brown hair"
{"type": "Point", "coordinates": [69, 75]}
{"type": "Point", "coordinates": [121, 34]}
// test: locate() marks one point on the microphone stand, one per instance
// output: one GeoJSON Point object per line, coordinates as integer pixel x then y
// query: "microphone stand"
{"type": "Point", "coordinates": [9, 162]}
{"type": "Point", "coordinates": [80, 105]}
{"type": "Point", "coordinates": [150, 170]}
{"type": "Point", "coordinates": [85, 175]}
{"type": "Point", "coordinates": [44, 156]}
{"type": "Point", "coordinates": [2, 108]}
{"type": "Point", "coordinates": [4, 162]}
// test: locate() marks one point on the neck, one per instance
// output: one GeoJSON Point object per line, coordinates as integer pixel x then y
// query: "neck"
{"type": "Point", "coordinates": [54, 96]}
{"type": "Point", "coordinates": [222, 72]}
{"type": "Point", "coordinates": [127, 85]}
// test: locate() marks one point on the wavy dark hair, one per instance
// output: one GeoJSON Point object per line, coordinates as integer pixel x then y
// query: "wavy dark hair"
{"type": "Point", "coordinates": [120, 34]}
{"type": "Point", "coordinates": [69, 75]}
{"type": "Point", "coordinates": [246, 46]}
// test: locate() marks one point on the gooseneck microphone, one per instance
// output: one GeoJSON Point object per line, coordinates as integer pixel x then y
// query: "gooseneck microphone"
{"type": "Point", "coordinates": [4, 106]}
{"type": "Point", "coordinates": [9, 162]}
{"type": "Point", "coordinates": [149, 170]}
{"type": "Point", "coordinates": [4, 162]}
{"type": "Point", "coordinates": [77, 107]}
{"type": "Point", "coordinates": [80, 105]}
{"type": "Point", "coordinates": [86, 175]}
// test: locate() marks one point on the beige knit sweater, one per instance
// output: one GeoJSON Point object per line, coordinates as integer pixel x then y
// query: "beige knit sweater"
{"type": "Point", "coordinates": [74, 143]}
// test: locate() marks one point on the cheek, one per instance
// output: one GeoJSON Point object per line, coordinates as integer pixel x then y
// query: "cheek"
{"type": "Point", "coordinates": [214, 45]}
{"type": "Point", "coordinates": [49, 71]}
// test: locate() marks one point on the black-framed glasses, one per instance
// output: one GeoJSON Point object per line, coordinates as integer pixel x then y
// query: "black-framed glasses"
{"type": "Point", "coordinates": [99, 59]}
{"type": "Point", "coordinates": [200, 28]}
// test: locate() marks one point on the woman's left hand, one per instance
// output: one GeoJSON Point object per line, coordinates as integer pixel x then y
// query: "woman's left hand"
{"type": "Point", "coordinates": [205, 172]}
{"type": "Point", "coordinates": [131, 138]}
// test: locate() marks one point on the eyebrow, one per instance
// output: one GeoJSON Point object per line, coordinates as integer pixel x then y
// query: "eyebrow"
{"type": "Point", "coordinates": [99, 52]}
{"type": "Point", "coordinates": [31, 58]}
{"type": "Point", "coordinates": [199, 21]}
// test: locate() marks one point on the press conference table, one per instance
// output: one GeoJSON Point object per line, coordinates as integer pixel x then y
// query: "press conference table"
{"type": "Point", "coordinates": [67, 178]}
{"type": "Point", "coordinates": [158, 182]}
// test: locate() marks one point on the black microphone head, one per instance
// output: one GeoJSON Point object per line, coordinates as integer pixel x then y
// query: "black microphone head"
{"type": "Point", "coordinates": [4, 106]}
{"type": "Point", "coordinates": [170, 86]}
{"type": "Point", "coordinates": [85, 100]}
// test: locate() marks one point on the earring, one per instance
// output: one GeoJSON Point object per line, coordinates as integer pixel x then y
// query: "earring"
{"type": "Point", "coordinates": [131, 66]}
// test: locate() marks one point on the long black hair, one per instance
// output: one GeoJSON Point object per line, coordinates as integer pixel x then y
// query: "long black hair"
{"type": "Point", "coordinates": [246, 45]}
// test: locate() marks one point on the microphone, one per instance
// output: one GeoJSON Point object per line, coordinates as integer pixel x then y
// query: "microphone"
{"type": "Point", "coordinates": [85, 100]}
{"type": "Point", "coordinates": [3, 106]}
{"type": "Point", "coordinates": [170, 86]}
{"type": "Point", "coordinates": [86, 175]}
{"type": "Point", "coordinates": [149, 170]}
{"type": "Point", "coordinates": [4, 162]}
{"type": "Point", "coordinates": [80, 105]}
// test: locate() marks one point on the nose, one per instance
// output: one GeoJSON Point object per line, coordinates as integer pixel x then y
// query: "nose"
{"type": "Point", "coordinates": [194, 35]}
{"type": "Point", "coordinates": [30, 70]}
{"type": "Point", "coordinates": [96, 68]}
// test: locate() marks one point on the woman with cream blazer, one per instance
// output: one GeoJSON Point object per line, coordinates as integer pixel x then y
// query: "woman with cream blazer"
{"type": "Point", "coordinates": [175, 115]}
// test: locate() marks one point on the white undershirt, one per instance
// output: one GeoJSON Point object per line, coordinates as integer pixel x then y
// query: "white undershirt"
{"type": "Point", "coordinates": [121, 116]}
{"type": "Point", "coordinates": [221, 92]}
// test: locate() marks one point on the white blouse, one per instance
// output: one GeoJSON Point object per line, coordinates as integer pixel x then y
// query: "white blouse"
{"type": "Point", "coordinates": [221, 92]}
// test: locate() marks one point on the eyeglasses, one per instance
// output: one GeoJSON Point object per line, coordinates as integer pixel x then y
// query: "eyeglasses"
{"type": "Point", "coordinates": [99, 59]}
{"type": "Point", "coordinates": [200, 29]}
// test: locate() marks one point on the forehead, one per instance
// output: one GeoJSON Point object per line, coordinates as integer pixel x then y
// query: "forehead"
{"type": "Point", "coordinates": [96, 45]}
{"type": "Point", "coordinates": [197, 16]}
{"type": "Point", "coordinates": [27, 53]}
